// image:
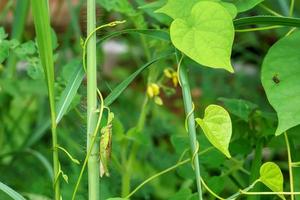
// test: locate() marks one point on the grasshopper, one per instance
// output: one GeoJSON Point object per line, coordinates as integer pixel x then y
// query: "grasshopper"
{"type": "Point", "coordinates": [105, 146]}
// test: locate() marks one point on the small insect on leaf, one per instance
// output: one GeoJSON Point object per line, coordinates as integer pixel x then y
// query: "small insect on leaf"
{"type": "Point", "coordinates": [276, 79]}
{"type": "Point", "coordinates": [105, 146]}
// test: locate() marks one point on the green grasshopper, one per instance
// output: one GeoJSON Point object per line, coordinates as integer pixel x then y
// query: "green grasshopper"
{"type": "Point", "coordinates": [105, 145]}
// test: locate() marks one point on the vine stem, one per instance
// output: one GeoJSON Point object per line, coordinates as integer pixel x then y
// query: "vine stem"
{"type": "Point", "coordinates": [178, 164]}
{"type": "Point", "coordinates": [290, 165]}
{"type": "Point", "coordinates": [188, 107]}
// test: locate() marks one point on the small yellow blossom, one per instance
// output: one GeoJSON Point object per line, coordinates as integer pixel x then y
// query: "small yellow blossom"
{"type": "Point", "coordinates": [153, 90]}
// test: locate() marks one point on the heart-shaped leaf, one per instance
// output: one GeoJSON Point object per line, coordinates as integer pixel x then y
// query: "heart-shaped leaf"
{"type": "Point", "coordinates": [271, 176]}
{"type": "Point", "coordinates": [206, 35]}
{"type": "Point", "coordinates": [280, 78]}
{"type": "Point", "coordinates": [217, 127]}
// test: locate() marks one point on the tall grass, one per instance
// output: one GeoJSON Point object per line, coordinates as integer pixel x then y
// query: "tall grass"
{"type": "Point", "coordinates": [41, 19]}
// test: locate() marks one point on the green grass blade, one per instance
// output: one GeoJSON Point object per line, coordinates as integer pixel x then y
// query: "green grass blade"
{"type": "Point", "coordinates": [41, 20]}
{"type": "Point", "coordinates": [10, 192]}
{"type": "Point", "coordinates": [69, 92]}
{"type": "Point", "coordinates": [267, 20]}
{"type": "Point", "coordinates": [123, 85]}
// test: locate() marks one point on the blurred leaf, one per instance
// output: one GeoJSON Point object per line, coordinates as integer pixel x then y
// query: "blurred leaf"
{"type": "Point", "coordinates": [280, 72]}
{"type": "Point", "coordinates": [191, 35]}
{"type": "Point", "coordinates": [10, 192]}
{"type": "Point", "coordinates": [180, 143]}
{"type": "Point", "coordinates": [217, 127]}
{"type": "Point", "coordinates": [271, 176]}
{"type": "Point", "coordinates": [122, 6]}
{"type": "Point", "coordinates": [216, 184]}
{"type": "Point", "coordinates": [239, 107]}
{"type": "Point", "coordinates": [117, 198]}
{"type": "Point", "coordinates": [244, 5]}
{"type": "Point", "coordinates": [3, 35]}
{"type": "Point", "coordinates": [182, 194]}
{"type": "Point", "coordinates": [44, 161]}
{"type": "Point", "coordinates": [4, 50]}
{"type": "Point", "coordinates": [26, 49]}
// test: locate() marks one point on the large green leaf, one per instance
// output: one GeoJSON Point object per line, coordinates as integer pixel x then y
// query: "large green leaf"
{"type": "Point", "coordinates": [271, 176]}
{"type": "Point", "coordinates": [10, 192]}
{"type": "Point", "coordinates": [244, 5]}
{"type": "Point", "coordinates": [217, 127]}
{"type": "Point", "coordinates": [280, 78]}
{"type": "Point", "coordinates": [206, 36]}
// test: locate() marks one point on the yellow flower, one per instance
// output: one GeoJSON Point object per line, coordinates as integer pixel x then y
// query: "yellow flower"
{"type": "Point", "coordinates": [168, 72]}
{"type": "Point", "coordinates": [175, 79]}
{"type": "Point", "coordinates": [153, 90]}
{"type": "Point", "coordinates": [171, 74]}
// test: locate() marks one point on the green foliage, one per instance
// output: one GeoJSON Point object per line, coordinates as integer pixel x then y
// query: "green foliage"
{"type": "Point", "coordinates": [245, 5]}
{"type": "Point", "coordinates": [217, 127]}
{"type": "Point", "coordinates": [271, 176]}
{"type": "Point", "coordinates": [239, 107]}
{"type": "Point", "coordinates": [279, 78]}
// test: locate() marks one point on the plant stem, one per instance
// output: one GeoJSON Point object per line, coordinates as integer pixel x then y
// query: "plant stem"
{"type": "Point", "coordinates": [178, 164]}
{"type": "Point", "coordinates": [292, 5]}
{"type": "Point", "coordinates": [257, 29]}
{"type": "Point", "coordinates": [255, 167]}
{"type": "Point", "coordinates": [188, 106]}
{"type": "Point", "coordinates": [93, 164]}
{"type": "Point", "coordinates": [290, 165]}
{"type": "Point", "coordinates": [41, 18]}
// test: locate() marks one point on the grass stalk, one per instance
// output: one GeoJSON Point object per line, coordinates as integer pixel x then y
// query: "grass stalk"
{"type": "Point", "coordinates": [41, 18]}
{"type": "Point", "coordinates": [191, 128]}
{"type": "Point", "coordinates": [93, 160]}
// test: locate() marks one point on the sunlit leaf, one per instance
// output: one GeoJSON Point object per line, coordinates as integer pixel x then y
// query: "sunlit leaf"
{"type": "Point", "coordinates": [280, 78]}
{"type": "Point", "coordinates": [271, 176]}
{"type": "Point", "coordinates": [206, 35]}
{"type": "Point", "coordinates": [217, 127]}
